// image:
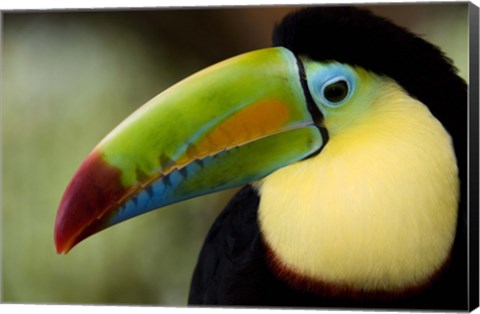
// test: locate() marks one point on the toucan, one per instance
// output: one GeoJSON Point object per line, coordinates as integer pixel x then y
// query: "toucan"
{"type": "Point", "coordinates": [349, 137]}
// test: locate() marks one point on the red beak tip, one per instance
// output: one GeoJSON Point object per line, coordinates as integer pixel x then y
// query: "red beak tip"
{"type": "Point", "coordinates": [62, 247]}
{"type": "Point", "coordinates": [95, 187]}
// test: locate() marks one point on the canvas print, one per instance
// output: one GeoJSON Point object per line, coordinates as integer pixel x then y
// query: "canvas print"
{"type": "Point", "coordinates": [276, 156]}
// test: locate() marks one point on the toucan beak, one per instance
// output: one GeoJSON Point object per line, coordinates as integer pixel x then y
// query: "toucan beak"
{"type": "Point", "coordinates": [230, 124]}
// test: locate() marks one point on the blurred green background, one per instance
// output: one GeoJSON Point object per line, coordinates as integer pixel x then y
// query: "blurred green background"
{"type": "Point", "coordinates": [67, 79]}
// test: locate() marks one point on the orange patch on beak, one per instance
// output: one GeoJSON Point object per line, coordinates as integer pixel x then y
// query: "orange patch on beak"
{"type": "Point", "coordinates": [256, 121]}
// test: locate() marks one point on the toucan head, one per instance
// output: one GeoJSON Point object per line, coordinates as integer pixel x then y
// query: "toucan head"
{"type": "Point", "coordinates": [327, 79]}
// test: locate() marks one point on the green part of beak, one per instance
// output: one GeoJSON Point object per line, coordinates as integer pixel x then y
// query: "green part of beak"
{"type": "Point", "coordinates": [229, 104]}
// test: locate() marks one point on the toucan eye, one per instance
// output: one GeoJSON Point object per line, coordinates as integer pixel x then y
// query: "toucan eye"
{"type": "Point", "coordinates": [330, 84]}
{"type": "Point", "coordinates": [336, 92]}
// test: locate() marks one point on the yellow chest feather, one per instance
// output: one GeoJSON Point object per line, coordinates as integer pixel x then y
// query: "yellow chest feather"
{"type": "Point", "coordinates": [375, 210]}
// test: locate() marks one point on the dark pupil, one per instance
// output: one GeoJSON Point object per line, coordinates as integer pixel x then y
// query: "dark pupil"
{"type": "Point", "coordinates": [336, 92]}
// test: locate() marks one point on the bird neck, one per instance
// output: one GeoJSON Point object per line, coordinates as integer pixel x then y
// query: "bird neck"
{"type": "Point", "coordinates": [376, 210]}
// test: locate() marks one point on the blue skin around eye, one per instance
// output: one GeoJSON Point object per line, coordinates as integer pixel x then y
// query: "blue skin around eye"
{"type": "Point", "coordinates": [329, 74]}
